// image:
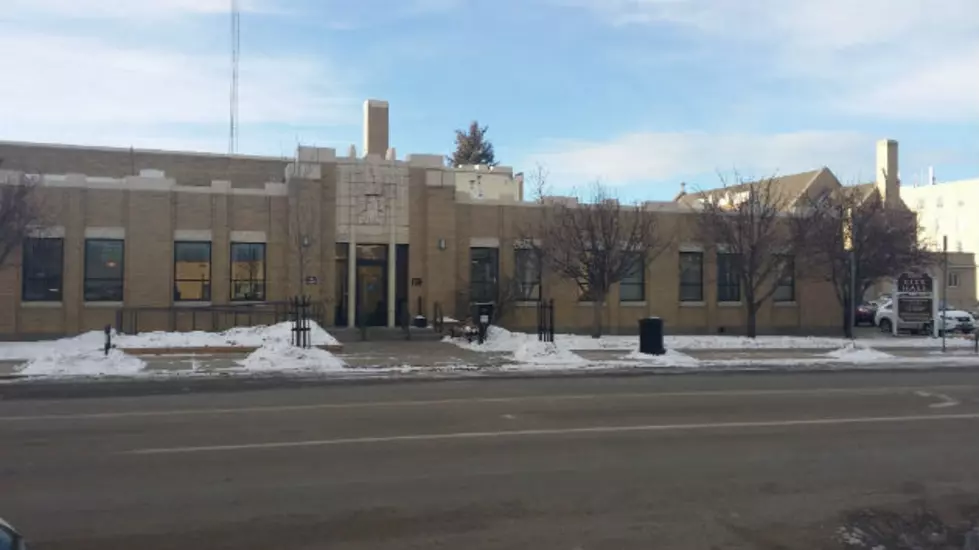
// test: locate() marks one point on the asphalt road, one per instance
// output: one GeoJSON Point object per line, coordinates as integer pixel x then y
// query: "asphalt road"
{"type": "Point", "coordinates": [715, 462]}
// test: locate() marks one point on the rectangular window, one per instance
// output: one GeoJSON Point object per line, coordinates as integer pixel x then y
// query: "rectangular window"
{"type": "Point", "coordinates": [691, 277]}
{"type": "Point", "coordinates": [785, 291]}
{"type": "Point", "coordinates": [483, 274]}
{"type": "Point", "coordinates": [528, 274]}
{"type": "Point", "coordinates": [632, 287]}
{"type": "Point", "coordinates": [42, 270]}
{"type": "Point", "coordinates": [104, 270]}
{"type": "Point", "coordinates": [248, 272]}
{"type": "Point", "coordinates": [953, 279]}
{"type": "Point", "coordinates": [728, 278]}
{"type": "Point", "coordinates": [191, 271]}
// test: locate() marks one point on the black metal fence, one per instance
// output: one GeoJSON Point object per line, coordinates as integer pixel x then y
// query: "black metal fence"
{"type": "Point", "coordinates": [545, 320]}
{"type": "Point", "coordinates": [210, 318]}
{"type": "Point", "coordinates": [299, 307]}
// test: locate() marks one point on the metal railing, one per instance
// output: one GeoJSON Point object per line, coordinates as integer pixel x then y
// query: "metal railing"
{"type": "Point", "coordinates": [210, 318]}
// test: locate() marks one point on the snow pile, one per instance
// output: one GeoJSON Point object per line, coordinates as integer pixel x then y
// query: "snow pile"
{"type": "Point", "coordinates": [498, 340]}
{"type": "Point", "coordinates": [854, 354]}
{"type": "Point", "coordinates": [250, 337]}
{"type": "Point", "coordinates": [546, 353]}
{"type": "Point", "coordinates": [280, 355]}
{"type": "Point", "coordinates": [83, 363]}
{"type": "Point", "coordinates": [671, 358]}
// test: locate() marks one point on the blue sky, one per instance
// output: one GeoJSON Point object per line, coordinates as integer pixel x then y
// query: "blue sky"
{"type": "Point", "coordinates": [641, 94]}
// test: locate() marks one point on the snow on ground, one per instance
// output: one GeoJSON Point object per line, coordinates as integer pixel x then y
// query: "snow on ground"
{"type": "Point", "coordinates": [671, 358]}
{"type": "Point", "coordinates": [83, 363]}
{"type": "Point", "coordinates": [502, 340]}
{"type": "Point", "coordinates": [282, 356]}
{"type": "Point", "coordinates": [236, 337]}
{"type": "Point", "coordinates": [858, 354]}
{"type": "Point", "coordinates": [547, 353]}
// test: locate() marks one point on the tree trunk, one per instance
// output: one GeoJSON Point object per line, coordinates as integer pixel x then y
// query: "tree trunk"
{"type": "Point", "coordinates": [752, 321]}
{"type": "Point", "coordinates": [847, 327]}
{"type": "Point", "coordinates": [596, 319]}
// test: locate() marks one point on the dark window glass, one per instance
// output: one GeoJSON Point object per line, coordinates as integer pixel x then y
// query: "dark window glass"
{"type": "Point", "coordinates": [691, 277]}
{"type": "Point", "coordinates": [728, 278]}
{"type": "Point", "coordinates": [248, 271]}
{"type": "Point", "coordinates": [191, 271]}
{"type": "Point", "coordinates": [632, 288]}
{"type": "Point", "coordinates": [104, 270]}
{"type": "Point", "coordinates": [43, 265]}
{"type": "Point", "coordinates": [785, 291]}
{"type": "Point", "coordinates": [527, 264]}
{"type": "Point", "coordinates": [483, 274]}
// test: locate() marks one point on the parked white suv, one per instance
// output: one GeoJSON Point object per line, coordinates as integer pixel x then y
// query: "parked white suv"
{"type": "Point", "coordinates": [954, 320]}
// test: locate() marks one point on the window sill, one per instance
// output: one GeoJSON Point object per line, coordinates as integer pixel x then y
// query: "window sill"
{"type": "Point", "coordinates": [787, 304]}
{"type": "Point", "coordinates": [191, 304]}
{"type": "Point", "coordinates": [693, 304]}
{"type": "Point", "coordinates": [104, 304]}
{"type": "Point", "coordinates": [247, 302]}
{"type": "Point", "coordinates": [527, 303]}
{"type": "Point", "coordinates": [729, 304]}
{"type": "Point", "coordinates": [633, 304]}
{"type": "Point", "coordinates": [42, 305]}
{"type": "Point", "coordinates": [589, 304]}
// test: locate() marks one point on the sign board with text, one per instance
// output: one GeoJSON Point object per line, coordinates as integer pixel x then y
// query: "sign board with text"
{"type": "Point", "coordinates": [914, 299]}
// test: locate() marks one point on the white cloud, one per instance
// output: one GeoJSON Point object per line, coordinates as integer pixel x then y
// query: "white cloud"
{"type": "Point", "coordinates": [671, 157]}
{"type": "Point", "coordinates": [75, 81]}
{"type": "Point", "coordinates": [124, 9]}
{"type": "Point", "coordinates": [912, 59]}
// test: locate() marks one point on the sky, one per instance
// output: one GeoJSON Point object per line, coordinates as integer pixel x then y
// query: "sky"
{"type": "Point", "coordinates": [638, 94]}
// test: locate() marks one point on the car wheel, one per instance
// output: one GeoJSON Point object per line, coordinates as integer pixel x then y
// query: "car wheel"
{"type": "Point", "coordinates": [885, 325]}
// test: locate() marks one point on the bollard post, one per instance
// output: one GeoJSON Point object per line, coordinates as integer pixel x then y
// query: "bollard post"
{"type": "Point", "coordinates": [108, 339]}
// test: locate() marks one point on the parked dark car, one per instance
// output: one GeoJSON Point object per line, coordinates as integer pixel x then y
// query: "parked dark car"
{"type": "Point", "coordinates": [865, 314]}
{"type": "Point", "coordinates": [10, 539]}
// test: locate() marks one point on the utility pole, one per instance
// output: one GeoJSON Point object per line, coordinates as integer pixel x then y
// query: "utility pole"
{"type": "Point", "coordinates": [944, 286]}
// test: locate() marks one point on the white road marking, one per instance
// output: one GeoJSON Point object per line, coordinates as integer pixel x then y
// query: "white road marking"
{"type": "Point", "coordinates": [477, 400]}
{"type": "Point", "coordinates": [555, 431]}
{"type": "Point", "coordinates": [944, 402]}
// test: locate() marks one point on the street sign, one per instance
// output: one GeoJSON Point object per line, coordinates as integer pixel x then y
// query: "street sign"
{"type": "Point", "coordinates": [914, 299]}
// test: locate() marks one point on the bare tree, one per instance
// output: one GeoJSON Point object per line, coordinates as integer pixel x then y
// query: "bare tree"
{"type": "Point", "coordinates": [747, 224]}
{"type": "Point", "coordinates": [301, 228]}
{"type": "Point", "coordinates": [852, 227]}
{"type": "Point", "coordinates": [596, 244]}
{"type": "Point", "coordinates": [19, 211]}
{"type": "Point", "coordinates": [539, 187]}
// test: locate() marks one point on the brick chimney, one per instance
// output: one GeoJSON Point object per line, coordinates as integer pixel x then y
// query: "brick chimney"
{"type": "Point", "coordinates": [376, 127]}
{"type": "Point", "coordinates": [888, 183]}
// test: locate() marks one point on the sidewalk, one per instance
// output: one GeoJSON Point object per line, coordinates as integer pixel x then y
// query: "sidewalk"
{"type": "Point", "coordinates": [394, 357]}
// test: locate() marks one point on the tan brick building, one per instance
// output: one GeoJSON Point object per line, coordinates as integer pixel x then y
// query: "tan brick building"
{"type": "Point", "coordinates": [170, 233]}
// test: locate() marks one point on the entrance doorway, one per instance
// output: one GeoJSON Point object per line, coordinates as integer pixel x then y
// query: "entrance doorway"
{"type": "Point", "coordinates": [371, 290]}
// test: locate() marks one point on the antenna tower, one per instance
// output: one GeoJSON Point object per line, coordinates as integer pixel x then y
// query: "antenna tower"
{"type": "Point", "coordinates": [235, 55]}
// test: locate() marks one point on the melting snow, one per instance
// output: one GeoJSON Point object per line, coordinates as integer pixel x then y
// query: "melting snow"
{"type": "Point", "coordinates": [547, 353]}
{"type": "Point", "coordinates": [280, 355]}
{"type": "Point", "coordinates": [83, 363]}
{"type": "Point", "coordinates": [855, 354]}
{"type": "Point", "coordinates": [671, 358]}
{"type": "Point", "coordinates": [236, 337]}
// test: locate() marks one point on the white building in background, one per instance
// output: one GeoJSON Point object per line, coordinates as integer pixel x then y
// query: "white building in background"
{"type": "Point", "coordinates": [949, 209]}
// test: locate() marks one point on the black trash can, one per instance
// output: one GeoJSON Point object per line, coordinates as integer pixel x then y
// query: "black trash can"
{"type": "Point", "coordinates": [651, 336]}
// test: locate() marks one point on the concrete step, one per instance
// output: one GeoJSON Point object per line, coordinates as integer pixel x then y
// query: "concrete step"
{"type": "Point", "coordinates": [384, 334]}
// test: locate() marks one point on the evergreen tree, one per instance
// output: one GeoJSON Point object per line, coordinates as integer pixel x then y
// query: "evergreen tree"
{"type": "Point", "coordinates": [472, 147]}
